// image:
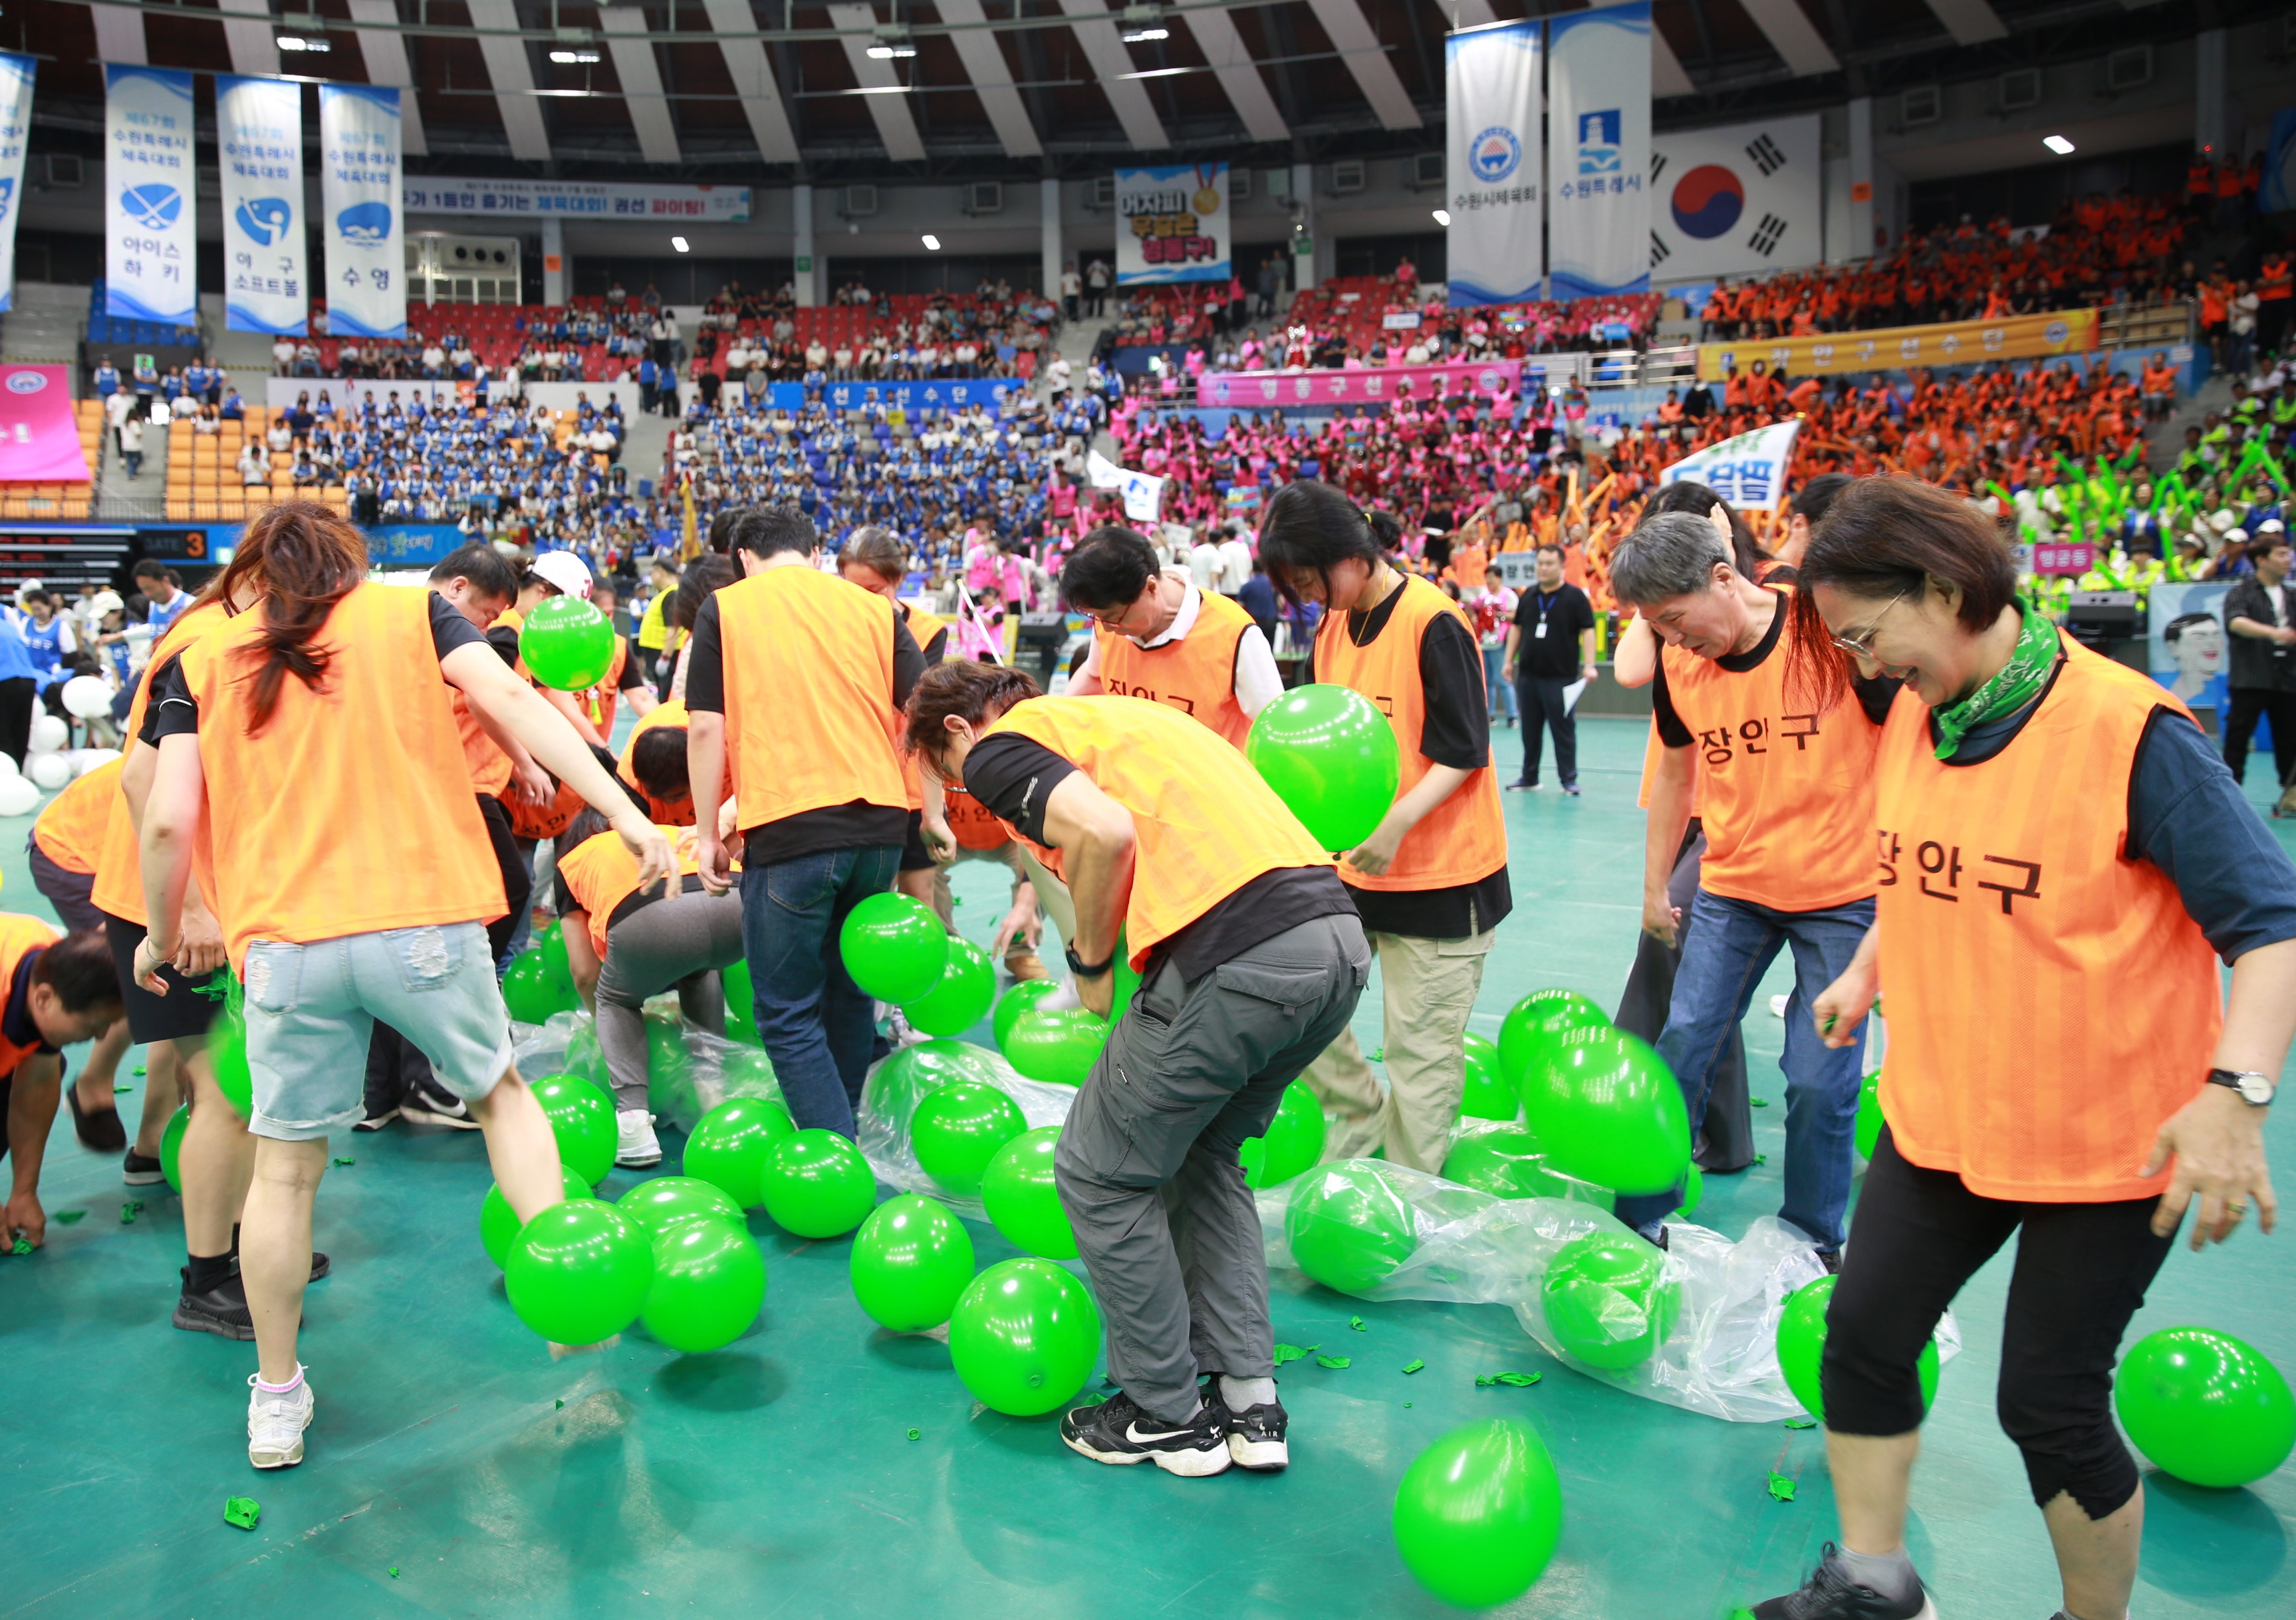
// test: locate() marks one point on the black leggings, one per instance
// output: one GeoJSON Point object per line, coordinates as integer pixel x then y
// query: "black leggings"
{"type": "Point", "coordinates": [517, 876]}
{"type": "Point", "coordinates": [2081, 1273]}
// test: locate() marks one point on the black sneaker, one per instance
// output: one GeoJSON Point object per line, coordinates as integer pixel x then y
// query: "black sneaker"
{"type": "Point", "coordinates": [424, 1106]}
{"type": "Point", "coordinates": [99, 1129]}
{"type": "Point", "coordinates": [138, 1171]}
{"type": "Point", "coordinates": [320, 1265]}
{"type": "Point", "coordinates": [221, 1310]}
{"type": "Point", "coordinates": [1255, 1437]}
{"type": "Point", "coordinates": [1831, 1259]}
{"type": "Point", "coordinates": [1570, 790]}
{"type": "Point", "coordinates": [376, 1121]}
{"type": "Point", "coordinates": [1830, 1594]}
{"type": "Point", "coordinates": [1523, 786]}
{"type": "Point", "coordinates": [1118, 1431]}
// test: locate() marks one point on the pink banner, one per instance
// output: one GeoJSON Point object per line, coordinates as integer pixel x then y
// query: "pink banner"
{"type": "Point", "coordinates": [39, 438]}
{"type": "Point", "coordinates": [1371, 385]}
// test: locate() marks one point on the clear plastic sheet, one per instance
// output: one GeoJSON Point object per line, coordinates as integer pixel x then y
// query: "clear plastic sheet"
{"type": "Point", "coordinates": [689, 1071]}
{"type": "Point", "coordinates": [895, 1084]}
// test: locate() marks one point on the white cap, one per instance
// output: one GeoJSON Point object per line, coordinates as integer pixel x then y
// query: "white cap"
{"type": "Point", "coordinates": [2234, 537]}
{"type": "Point", "coordinates": [105, 602]}
{"type": "Point", "coordinates": [565, 570]}
{"type": "Point", "coordinates": [2271, 525]}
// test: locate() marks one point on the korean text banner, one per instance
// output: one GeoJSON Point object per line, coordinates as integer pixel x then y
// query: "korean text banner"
{"type": "Point", "coordinates": [1895, 347]}
{"type": "Point", "coordinates": [1496, 247]}
{"type": "Point", "coordinates": [15, 124]}
{"type": "Point", "coordinates": [1736, 201]}
{"type": "Point", "coordinates": [259, 133]}
{"type": "Point", "coordinates": [40, 437]}
{"type": "Point", "coordinates": [148, 181]}
{"type": "Point", "coordinates": [576, 199]}
{"type": "Point", "coordinates": [1749, 471]}
{"type": "Point", "coordinates": [1381, 385]}
{"type": "Point", "coordinates": [944, 394]}
{"type": "Point", "coordinates": [1598, 168]}
{"type": "Point", "coordinates": [1172, 223]}
{"type": "Point", "coordinates": [366, 268]}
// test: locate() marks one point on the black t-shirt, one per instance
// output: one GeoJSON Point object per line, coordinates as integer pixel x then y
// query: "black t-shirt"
{"type": "Point", "coordinates": [1566, 614]}
{"type": "Point", "coordinates": [1874, 696]}
{"type": "Point", "coordinates": [16, 1021]}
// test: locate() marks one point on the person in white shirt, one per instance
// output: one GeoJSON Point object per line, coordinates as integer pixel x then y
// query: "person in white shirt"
{"type": "Point", "coordinates": [1205, 565]}
{"type": "Point", "coordinates": [254, 465]}
{"type": "Point", "coordinates": [283, 357]}
{"type": "Point", "coordinates": [434, 359]}
{"type": "Point", "coordinates": [1236, 563]}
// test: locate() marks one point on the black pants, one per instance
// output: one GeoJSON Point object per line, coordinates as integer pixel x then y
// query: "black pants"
{"type": "Point", "coordinates": [2249, 705]}
{"type": "Point", "coordinates": [1543, 706]}
{"type": "Point", "coordinates": [2081, 1273]}
{"type": "Point", "coordinates": [517, 876]}
{"type": "Point", "coordinates": [18, 694]}
{"type": "Point", "coordinates": [1725, 1141]}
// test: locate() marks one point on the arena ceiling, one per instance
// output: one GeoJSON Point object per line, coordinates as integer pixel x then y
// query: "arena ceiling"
{"type": "Point", "coordinates": [773, 89]}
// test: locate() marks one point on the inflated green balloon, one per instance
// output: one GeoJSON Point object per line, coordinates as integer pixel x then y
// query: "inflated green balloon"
{"type": "Point", "coordinates": [1533, 1023]}
{"type": "Point", "coordinates": [911, 1260]}
{"type": "Point", "coordinates": [817, 1185]}
{"type": "Point", "coordinates": [171, 1146]}
{"type": "Point", "coordinates": [1022, 1202]}
{"type": "Point", "coordinates": [959, 1127]}
{"type": "Point", "coordinates": [728, 1146]}
{"type": "Point", "coordinates": [498, 1222]}
{"type": "Point", "coordinates": [2204, 1407]}
{"type": "Point", "coordinates": [1332, 757]}
{"type": "Point", "coordinates": [709, 1283]}
{"type": "Point", "coordinates": [1348, 1226]}
{"type": "Point", "coordinates": [1487, 1094]}
{"type": "Point", "coordinates": [1695, 1194]}
{"type": "Point", "coordinates": [661, 1202]}
{"type": "Point", "coordinates": [1023, 1337]}
{"type": "Point", "coordinates": [578, 1272]}
{"type": "Point", "coordinates": [1869, 1114]}
{"type": "Point", "coordinates": [1607, 1110]}
{"type": "Point", "coordinates": [968, 985]}
{"type": "Point", "coordinates": [897, 1085]}
{"type": "Point", "coordinates": [552, 943]}
{"type": "Point", "coordinates": [1478, 1513]}
{"type": "Point", "coordinates": [1802, 1346]}
{"type": "Point", "coordinates": [567, 644]}
{"type": "Point", "coordinates": [582, 1119]}
{"type": "Point", "coordinates": [1057, 1048]}
{"type": "Point", "coordinates": [1507, 1162]}
{"type": "Point", "coordinates": [528, 991]}
{"type": "Point", "coordinates": [227, 1050]}
{"type": "Point", "coordinates": [894, 947]}
{"type": "Point", "coordinates": [1013, 1003]}
{"type": "Point", "coordinates": [1294, 1140]}
{"type": "Point", "coordinates": [1607, 1299]}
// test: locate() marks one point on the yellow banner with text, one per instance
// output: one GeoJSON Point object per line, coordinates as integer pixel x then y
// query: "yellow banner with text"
{"type": "Point", "coordinates": [1896, 347]}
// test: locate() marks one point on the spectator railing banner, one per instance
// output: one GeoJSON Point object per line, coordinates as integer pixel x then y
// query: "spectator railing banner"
{"type": "Point", "coordinates": [1370, 385]}
{"type": "Point", "coordinates": [2073, 331]}
{"type": "Point", "coordinates": [941, 394]}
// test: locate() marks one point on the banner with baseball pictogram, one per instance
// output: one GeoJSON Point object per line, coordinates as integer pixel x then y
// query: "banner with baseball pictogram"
{"type": "Point", "coordinates": [1172, 225]}
{"type": "Point", "coordinates": [1737, 201]}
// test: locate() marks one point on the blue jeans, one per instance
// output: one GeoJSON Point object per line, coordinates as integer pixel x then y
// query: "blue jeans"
{"type": "Point", "coordinates": [817, 1025]}
{"type": "Point", "coordinates": [1724, 956]}
{"type": "Point", "coordinates": [1499, 691]}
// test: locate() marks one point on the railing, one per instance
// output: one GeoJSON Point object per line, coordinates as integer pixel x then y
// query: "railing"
{"type": "Point", "coordinates": [2144, 325]}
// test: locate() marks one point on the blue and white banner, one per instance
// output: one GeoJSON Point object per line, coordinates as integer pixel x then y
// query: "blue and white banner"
{"type": "Point", "coordinates": [259, 135]}
{"type": "Point", "coordinates": [366, 264]}
{"type": "Point", "coordinates": [1495, 246]}
{"type": "Point", "coordinates": [1172, 225]}
{"type": "Point", "coordinates": [148, 184]}
{"type": "Point", "coordinates": [15, 124]}
{"type": "Point", "coordinates": [1749, 471]}
{"type": "Point", "coordinates": [1736, 201]}
{"type": "Point", "coordinates": [941, 395]}
{"type": "Point", "coordinates": [1598, 179]}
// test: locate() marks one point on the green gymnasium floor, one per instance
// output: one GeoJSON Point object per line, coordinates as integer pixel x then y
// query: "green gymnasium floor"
{"type": "Point", "coordinates": [454, 1468]}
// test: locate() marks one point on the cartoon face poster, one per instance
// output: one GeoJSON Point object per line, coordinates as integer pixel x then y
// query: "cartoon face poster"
{"type": "Point", "coordinates": [2186, 641]}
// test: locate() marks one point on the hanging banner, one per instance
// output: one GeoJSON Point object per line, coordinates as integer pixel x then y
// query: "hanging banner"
{"type": "Point", "coordinates": [15, 123]}
{"type": "Point", "coordinates": [1736, 201]}
{"type": "Point", "coordinates": [576, 199]}
{"type": "Point", "coordinates": [1749, 471]}
{"type": "Point", "coordinates": [39, 435]}
{"type": "Point", "coordinates": [148, 177]}
{"type": "Point", "coordinates": [1368, 385]}
{"type": "Point", "coordinates": [1895, 347]}
{"type": "Point", "coordinates": [1495, 245]}
{"type": "Point", "coordinates": [1172, 223]}
{"type": "Point", "coordinates": [366, 264]}
{"type": "Point", "coordinates": [1598, 168]}
{"type": "Point", "coordinates": [259, 135]}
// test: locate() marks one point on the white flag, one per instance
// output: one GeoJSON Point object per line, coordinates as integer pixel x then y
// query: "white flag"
{"type": "Point", "coordinates": [148, 178]}
{"type": "Point", "coordinates": [1598, 191]}
{"type": "Point", "coordinates": [1494, 168]}
{"type": "Point", "coordinates": [15, 124]}
{"type": "Point", "coordinates": [1143, 495]}
{"type": "Point", "coordinates": [259, 131]}
{"type": "Point", "coordinates": [1749, 471]}
{"type": "Point", "coordinates": [366, 268]}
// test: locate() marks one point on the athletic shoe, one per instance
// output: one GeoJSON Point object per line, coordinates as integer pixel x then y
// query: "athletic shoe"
{"type": "Point", "coordinates": [1024, 966]}
{"type": "Point", "coordinates": [276, 1424]}
{"type": "Point", "coordinates": [1255, 1437]}
{"type": "Point", "coordinates": [1570, 790]}
{"type": "Point", "coordinates": [1117, 1431]}
{"type": "Point", "coordinates": [639, 1147]}
{"type": "Point", "coordinates": [1830, 1594]}
{"type": "Point", "coordinates": [321, 1266]}
{"type": "Point", "coordinates": [424, 1106]}
{"type": "Point", "coordinates": [375, 1122]}
{"type": "Point", "coordinates": [1831, 1259]}
{"type": "Point", "coordinates": [221, 1310]}
{"type": "Point", "coordinates": [901, 1032]}
{"type": "Point", "coordinates": [138, 1171]}
{"type": "Point", "coordinates": [1523, 786]}
{"type": "Point", "coordinates": [99, 1129]}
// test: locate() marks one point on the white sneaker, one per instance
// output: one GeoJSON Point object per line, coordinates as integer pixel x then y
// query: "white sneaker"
{"type": "Point", "coordinates": [640, 1148]}
{"type": "Point", "coordinates": [276, 1424]}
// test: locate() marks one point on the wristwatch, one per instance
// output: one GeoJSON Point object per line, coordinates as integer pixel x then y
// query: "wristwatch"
{"type": "Point", "coordinates": [1086, 970]}
{"type": "Point", "coordinates": [2255, 1089]}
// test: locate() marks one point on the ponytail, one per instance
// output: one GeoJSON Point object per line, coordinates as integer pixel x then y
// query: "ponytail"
{"type": "Point", "coordinates": [299, 559]}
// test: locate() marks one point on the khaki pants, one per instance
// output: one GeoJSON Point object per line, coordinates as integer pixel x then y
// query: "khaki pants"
{"type": "Point", "coordinates": [1429, 987]}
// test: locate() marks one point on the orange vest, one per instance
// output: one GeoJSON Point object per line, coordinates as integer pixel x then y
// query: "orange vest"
{"type": "Point", "coordinates": [18, 935]}
{"type": "Point", "coordinates": [2050, 1000]}
{"type": "Point", "coordinates": [1195, 675]}
{"type": "Point", "coordinates": [2272, 278]}
{"type": "Point", "coordinates": [922, 627]}
{"type": "Point", "coordinates": [971, 825]}
{"type": "Point", "coordinates": [1205, 822]}
{"type": "Point", "coordinates": [350, 812]}
{"type": "Point", "coordinates": [809, 715]}
{"type": "Point", "coordinates": [528, 821]}
{"type": "Point", "coordinates": [661, 812]}
{"type": "Point", "coordinates": [119, 888]}
{"type": "Point", "coordinates": [601, 872]}
{"type": "Point", "coordinates": [1785, 795]}
{"type": "Point", "coordinates": [1463, 839]}
{"type": "Point", "coordinates": [70, 831]}
{"type": "Point", "coordinates": [598, 702]}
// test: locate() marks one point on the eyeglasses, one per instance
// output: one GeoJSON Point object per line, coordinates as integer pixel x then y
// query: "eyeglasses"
{"type": "Point", "coordinates": [1861, 645]}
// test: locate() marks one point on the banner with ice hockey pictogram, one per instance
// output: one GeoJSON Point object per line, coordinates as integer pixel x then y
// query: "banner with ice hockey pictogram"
{"type": "Point", "coordinates": [1737, 201]}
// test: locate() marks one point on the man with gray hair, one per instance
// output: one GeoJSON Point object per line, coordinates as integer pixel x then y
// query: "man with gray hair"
{"type": "Point", "coordinates": [1785, 789]}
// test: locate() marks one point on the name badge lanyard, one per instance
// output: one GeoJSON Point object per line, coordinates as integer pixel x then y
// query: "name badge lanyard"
{"type": "Point", "coordinates": [1545, 603]}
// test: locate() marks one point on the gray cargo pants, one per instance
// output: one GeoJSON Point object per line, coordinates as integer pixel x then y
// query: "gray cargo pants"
{"type": "Point", "coordinates": [1146, 1165]}
{"type": "Point", "coordinates": [680, 941]}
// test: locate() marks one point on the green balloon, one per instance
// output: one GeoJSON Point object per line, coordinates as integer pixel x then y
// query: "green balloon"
{"type": "Point", "coordinates": [1294, 1140]}
{"type": "Point", "coordinates": [1478, 1513]}
{"type": "Point", "coordinates": [1487, 1096]}
{"type": "Point", "coordinates": [1869, 1114]}
{"type": "Point", "coordinates": [1802, 1346]}
{"type": "Point", "coordinates": [958, 1128]}
{"type": "Point", "coordinates": [566, 645]}
{"type": "Point", "coordinates": [1533, 1023]}
{"type": "Point", "coordinates": [911, 1260]}
{"type": "Point", "coordinates": [1507, 1162]}
{"type": "Point", "coordinates": [1607, 1299]}
{"type": "Point", "coordinates": [1348, 1226]}
{"type": "Point", "coordinates": [1332, 757]}
{"type": "Point", "coordinates": [1022, 1202]}
{"type": "Point", "coordinates": [171, 1147]}
{"type": "Point", "coordinates": [817, 1185]}
{"type": "Point", "coordinates": [897, 1085]}
{"type": "Point", "coordinates": [729, 1145]}
{"type": "Point", "coordinates": [740, 1001]}
{"type": "Point", "coordinates": [527, 990]}
{"type": "Point", "coordinates": [2204, 1407]}
{"type": "Point", "coordinates": [1019, 999]}
{"type": "Point", "coordinates": [1695, 1194]}
{"type": "Point", "coordinates": [1056, 1048]}
{"type": "Point", "coordinates": [1608, 1111]}
{"type": "Point", "coordinates": [709, 1284]}
{"type": "Point", "coordinates": [1023, 1337]}
{"type": "Point", "coordinates": [582, 1117]}
{"type": "Point", "coordinates": [967, 986]}
{"type": "Point", "coordinates": [669, 1067]}
{"type": "Point", "coordinates": [578, 1272]}
{"type": "Point", "coordinates": [894, 947]}
{"type": "Point", "coordinates": [498, 1222]}
{"type": "Point", "coordinates": [228, 1051]}
{"type": "Point", "coordinates": [552, 943]}
{"type": "Point", "coordinates": [662, 1201]}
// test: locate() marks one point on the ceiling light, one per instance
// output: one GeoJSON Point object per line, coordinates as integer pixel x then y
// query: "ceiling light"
{"type": "Point", "coordinates": [1143, 24]}
{"type": "Point", "coordinates": [1443, 217]}
{"type": "Point", "coordinates": [932, 242]}
{"type": "Point", "coordinates": [1156, 72]}
{"type": "Point", "coordinates": [681, 244]}
{"type": "Point", "coordinates": [297, 42]}
{"type": "Point", "coordinates": [576, 58]}
{"type": "Point", "coordinates": [1147, 34]}
{"type": "Point", "coordinates": [893, 44]}
{"type": "Point", "coordinates": [2058, 144]}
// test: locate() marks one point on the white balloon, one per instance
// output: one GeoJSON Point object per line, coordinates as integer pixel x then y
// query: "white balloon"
{"type": "Point", "coordinates": [18, 797]}
{"type": "Point", "coordinates": [85, 760]}
{"type": "Point", "coordinates": [86, 696]}
{"type": "Point", "coordinates": [49, 733]}
{"type": "Point", "coordinates": [48, 771]}
{"type": "Point", "coordinates": [8, 767]}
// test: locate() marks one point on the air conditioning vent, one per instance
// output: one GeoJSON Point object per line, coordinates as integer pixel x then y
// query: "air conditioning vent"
{"type": "Point", "coordinates": [2021, 89]}
{"type": "Point", "coordinates": [985, 197]}
{"type": "Point", "coordinates": [860, 201]}
{"type": "Point", "coordinates": [64, 170]}
{"type": "Point", "coordinates": [1104, 191]}
{"type": "Point", "coordinates": [2129, 68]}
{"type": "Point", "coordinates": [1279, 185]}
{"type": "Point", "coordinates": [1427, 171]}
{"type": "Point", "coordinates": [1922, 104]}
{"type": "Point", "coordinates": [1239, 185]}
{"type": "Point", "coordinates": [1347, 177]}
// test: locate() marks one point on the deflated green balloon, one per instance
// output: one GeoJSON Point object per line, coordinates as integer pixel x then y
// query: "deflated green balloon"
{"type": "Point", "coordinates": [968, 985]}
{"type": "Point", "coordinates": [582, 1117]}
{"type": "Point", "coordinates": [1533, 1024]}
{"type": "Point", "coordinates": [552, 943]}
{"type": "Point", "coordinates": [817, 1185]}
{"type": "Point", "coordinates": [578, 1272]}
{"type": "Point", "coordinates": [959, 1127]}
{"type": "Point", "coordinates": [1294, 1140]}
{"type": "Point", "coordinates": [566, 645]}
{"type": "Point", "coordinates": [1507, 1162]}
{"type": "Point", "coordinates": [911, 1260]}
{"type": "Point", "coordinates": [1332, 757]}
{"type": "Point", "coordinates": [1057, 1048]}
{"type": "Point", "coordinates": [498, 1222]}
{"type": "Point", "coordinates": [740, 1001]}
{"type": "Point", "coordinates": [1607, 1300]}
{"type": "Point", "coordinates": [894, 947]}
{"type": "Point", "coordinates": [227, 1050]}
{"type": "Point", "coordinates": [1022, 1202]}
{"type": "Point", "coordinates": [1015, 1001]}
{"type": "Point", "coordinates": [171, 1146]}
{"type": "Point", "coordinates": [1348, 1226]}
{"type": "Point", "coordinates": [1607, 1110]}
{"type": "Point", "coordinates": [709, 1284]}
{"type": "Point", "coordinates": [1023, 1337]}
{"type": "Point", "coordinates": [1486, 1095]}
{"type": "Point", "coordinates": [1478, 1513]}
{"type": "Point", "coordinates": [2204, 1407]}
{"type": "Point", "coordinates": [729, 1145]}
{"type": "Point", "coordinates": [897, 1085]}
{"type": "Point", "coordinates": [1694, 1193]}
{"type": "Point", "coordinates": [1801, 1346]}
{"type": "Point", "coordinates": [661, 1202]}
{"type": "Point", "coordinates": [1869, 1114]}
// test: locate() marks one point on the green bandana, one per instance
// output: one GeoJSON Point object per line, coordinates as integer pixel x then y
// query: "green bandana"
{"type": "Point", "coordinates": [2016, 684]}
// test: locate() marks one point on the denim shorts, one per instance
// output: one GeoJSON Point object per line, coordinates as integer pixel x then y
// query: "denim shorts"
{"type": "Point", "coordinates": [312, 1008]}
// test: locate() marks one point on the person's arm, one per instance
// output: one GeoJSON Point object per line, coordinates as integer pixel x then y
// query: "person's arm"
{"type": "Point", "coordinates": [582, 963]}
{"type": "Point", "coordinates": [31, 1115]}
{"type": "Point", "coordinates": [1667, 819]}
{"type": "Point", "coordinates": [1086, 683]}
{"type": "Point", "coordinates": [1513, 646]}
{"type": "Point", "coordinates": [1258, 682]}
{"type": "Point", "coordinates": [1454, 738]}
{"type": "Point", "coordinates": [1587, 642]}
{"type": "Point", "coordinates": [2217, 1140]}
{"type": "Point", "coordinates": [1096, 840]}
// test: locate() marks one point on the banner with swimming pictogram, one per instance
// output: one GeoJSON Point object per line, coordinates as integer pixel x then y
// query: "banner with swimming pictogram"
{"type": "Point", "coordinates": [1495, 166]}
{"type": "Point", "coordinates": [2071, 332]}
{"type": "Point", "coordinates": [359, 146]}
{"type": "Point", "coordinates": [149, 182]}
{"type": "Point", "coordinates": [259, 139]}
